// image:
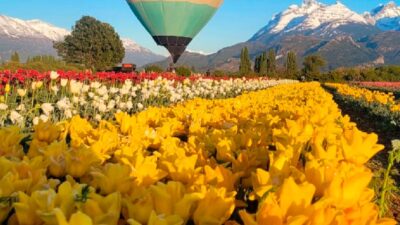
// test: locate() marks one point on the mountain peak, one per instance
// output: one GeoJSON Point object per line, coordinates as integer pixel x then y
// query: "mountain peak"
{"type": "Point", "coordinates": [385, 17]}
{"type": "Point", "coordinates": [390, 10]}
{"type": "Point", "coordinates": [131, 45]}
{"type": "Point", "coordinates": [311, 15]}
{"type": "Point", "coordinates": [18, 28]}
{"type": "Point", "coordinates": [310, 2]}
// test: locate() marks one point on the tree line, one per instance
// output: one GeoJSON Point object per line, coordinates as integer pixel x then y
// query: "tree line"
{"type": "Point", "coordinates": [265, 64]}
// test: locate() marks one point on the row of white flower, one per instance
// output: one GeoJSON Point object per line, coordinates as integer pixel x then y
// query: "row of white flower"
{"type": "Point", "coordinates": [95, 100]}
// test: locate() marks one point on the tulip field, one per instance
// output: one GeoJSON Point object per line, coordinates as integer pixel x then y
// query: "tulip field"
{"type": "Point", "coordinates": [158, 149]}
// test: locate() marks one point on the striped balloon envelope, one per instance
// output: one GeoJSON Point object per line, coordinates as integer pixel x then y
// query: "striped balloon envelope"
{"type": "Point", "coordinates": [174, 23]}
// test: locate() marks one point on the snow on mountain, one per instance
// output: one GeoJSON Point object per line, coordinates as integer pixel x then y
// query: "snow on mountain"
{"type": "Point", "coordinates": [131, 45]}
{"type": "Point", "coordinates": [48, 30]}
{"type": "Point", "coordinates": [197, 52]}
{"type": "Point", "coordinates": [385, 17]}
{"type": "Point", "coordinates": [34, 37]}
{"type": "Point", "coordinates": [390, 10]}
{"type": "Point", "coordinates": [311, 15]}
{"type": "Point", "coordinates": [17, 28]}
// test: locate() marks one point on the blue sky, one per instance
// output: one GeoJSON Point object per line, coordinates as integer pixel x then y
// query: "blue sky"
{"type": "Point", "coordinates": [236, 21]}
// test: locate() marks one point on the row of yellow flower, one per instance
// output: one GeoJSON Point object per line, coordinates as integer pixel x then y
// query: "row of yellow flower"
{"type": "Point", "coordinates": [280, 156]}
{"type": "Point", "coordinates": [367, 95]}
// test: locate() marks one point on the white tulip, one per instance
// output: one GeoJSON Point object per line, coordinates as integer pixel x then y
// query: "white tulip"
{"type": "Point", "coordinates": [16, 118]}
{"type": "Point", "coordinates": [47, 108]}
{"type": "Point", "coordinates": [44, 118]}
{"type": "Point", "coordinates": [54, 89]}
{"type": "Point", "coordinates": [140, 106]}
{"type": "Point", "coordinates": [85, 88]}
{"type": "Point", "coordinates": [97, 117]}
{"type": "Point", "coordinates": [54, 75]}
{"type": "Point", "coordinates": [64, 82]}
{"type": "Point", "coordinates": [21, 92]}
{"type": "Point", "coordinates": [3, 106]}
{"type": "Point", "coordinates": [129, 105]}
{"type": "Point", "coordinates": [20, 107]}
{"type": "Point", "coordinates": [36, 121]}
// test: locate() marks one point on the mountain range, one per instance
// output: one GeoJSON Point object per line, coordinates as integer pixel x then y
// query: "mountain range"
{"type": "Point", "coordinates": [35, 37]}
{"type": "Point", "coordinates": [341, 36]}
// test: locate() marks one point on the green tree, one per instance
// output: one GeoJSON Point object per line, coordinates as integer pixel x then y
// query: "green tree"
{"type": "Point", "coordinates": [257, 62]}
{"type": "Point", "coordinates": [92, 43]}
{"type": "Point", "coordinates": [271, 63]}
{"type": "Point", "coordinates": [312, 67]}
{"type": "Point", "coordinates": [291, 65]}
{"type": "Point", "coordinates": [263, 64]}
{"type": "Point", "coordinates": [245, 64]}
{"type": "Point", "coordinates": [260, 65]}
{"type": "Point", "coordinates": [183, 71]}
{"type": "Point", "coordinates": [15, 57]}
{"type": "Point", "coordinates": [153, 68]}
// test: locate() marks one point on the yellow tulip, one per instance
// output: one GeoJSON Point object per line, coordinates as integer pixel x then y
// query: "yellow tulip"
{"type": "Point", "coordinates": [182, 169]}
{"type": "Point", "coordinates": [46, 132]}
{"type": "Point", "coordinates": [320, 174]}
{"type": "Point", "coordinates": [39, 84]}
{"type": "Point", "coordinates": [261, 184]}
{"type": "Point", "coordinates": [77, 218]}
{"type": "Point", "coordinates": [25, 209]}
{"type": "Point", "coordinates": [172, 199]}
{"type": "Point", "coordinates": [164, 220]}
{"type": "Point", "coordinates": [294, 199]}
{"type": "Point", "coordinates": [103, 210]}
{"type": "Point", "coordinates": [81, 132]}
{"type": "Point", "coordinates": [10, 142]}
{"type": "Point", "coordinates": [55, 154]}
{"type": "Point", "coordinates": [215, 208]}
{"type": "Point", "coordinates": [222, 177]}
{"type": "Point", "coordinates": [145, 169]}
{"type": "Point", "coordinates": [359, 147]}
{"type": "Point", "coordinates": [138, 206]}
{"type": "Point", "coordinates": [79, 161]}
{"type": "Point", "coordinates": [112, 178]}
{"type": "Point", "coordinates": [105, 144]}
{"type": "Point", "coordinates": [7, 88]}
{"type": "Point", "coordinates": [348, 186]}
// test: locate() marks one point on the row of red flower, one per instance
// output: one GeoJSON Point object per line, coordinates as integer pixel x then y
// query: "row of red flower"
{"type": "Point", "coordinates": [391, 85]}
{"type": "Point", "coordinates": [20, 76]}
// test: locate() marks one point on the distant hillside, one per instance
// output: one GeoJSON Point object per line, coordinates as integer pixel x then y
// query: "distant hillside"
{"type": "Point", "coordinates": [35, 37]}
{"type": "Point", "coordinates": [342, 36]}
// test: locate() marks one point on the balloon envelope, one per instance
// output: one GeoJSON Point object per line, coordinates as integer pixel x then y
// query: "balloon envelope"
{"type": "Point", "coordinates": [174, 23]}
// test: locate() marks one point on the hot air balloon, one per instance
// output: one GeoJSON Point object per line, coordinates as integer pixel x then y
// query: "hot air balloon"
{"type": "Point", "coordinates": [174, 23]}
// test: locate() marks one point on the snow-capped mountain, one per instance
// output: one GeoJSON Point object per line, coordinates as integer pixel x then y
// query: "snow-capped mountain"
{"type": "Point", "coordinates": [385, 17]}
{"type": "Point", "coordinates": [131, 45]}
{"type": "Point", "coordinates": [340, 35]}
{"type": "Point", "coordinates": [311, 15]}
{"type": "Point", "coordinates": [17, 28]}
{"type": "Point", "coordinates": [134, 53]}
{"type": "Point", "coordinates": [35, 37]}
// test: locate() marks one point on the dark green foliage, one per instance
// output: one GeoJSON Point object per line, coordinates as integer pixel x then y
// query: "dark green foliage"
{"type": "Point", "coordinates": [15, 57]}
{"type": "Point", "coordinates": [271, 63]}
{"type": "Point", "coordinates": [42, 64]}
{"type": "Point", "coordinates": [183, 71]}
{"type": "Point", "coordinates": [245, 63]}
{"type": "Point", "coordinates": [92, 43]}
{"type": "Point", "coordinates": [219, 73]}
{"type": "Point", "coordinates": [312, 67]}
{"type": "Point", "coordinates": [291, 65]}
{"type": "Point", "coordinates": [383, 73]}
{"type": "Point", "coordinates": [260, 65]}
{"type": "Point", "coordinates": [153, 68]}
